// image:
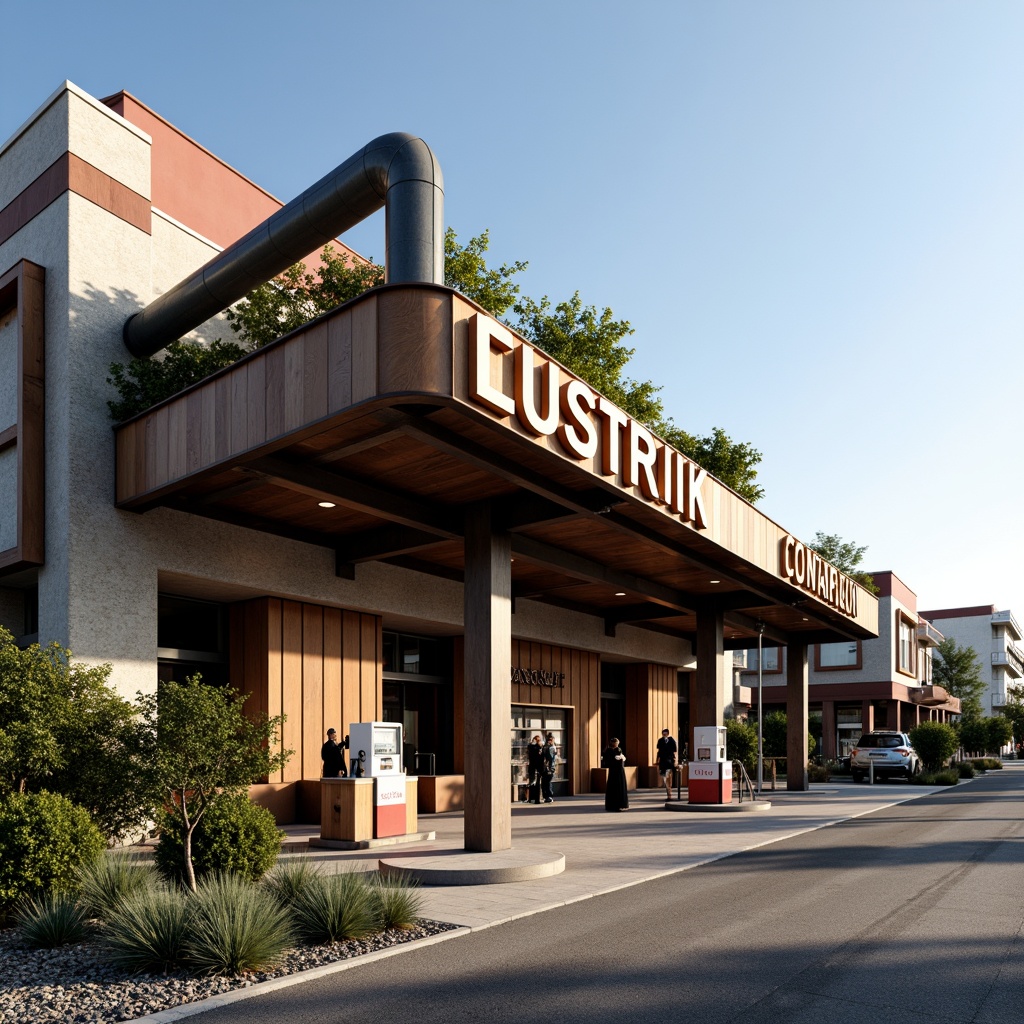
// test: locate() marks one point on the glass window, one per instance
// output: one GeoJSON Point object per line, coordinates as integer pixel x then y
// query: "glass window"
{"type": "Point", "coordinates": [528, 722]}
{"type": "Point", "coordinates": [185, 624]}
{"type": "Point", "coordinates": [907, 640]}
{"type": "Point", "coordinates": [771, 659]}
{"type": "Point", "coordinates": [839, 655]}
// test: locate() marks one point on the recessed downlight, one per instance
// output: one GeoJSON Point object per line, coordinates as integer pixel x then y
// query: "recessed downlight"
{"type": "Point", "coordinates": [620, 593]}
{"type": "Point", "coordinates": [326, 504]}
{"type": "Point", "coordinates": [714, 581]}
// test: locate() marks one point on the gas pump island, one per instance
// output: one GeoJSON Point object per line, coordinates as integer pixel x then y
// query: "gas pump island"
{"type": "Point", "coordinates": [376, 801]}
{"type": "Point", "coordinates": [710, 776]}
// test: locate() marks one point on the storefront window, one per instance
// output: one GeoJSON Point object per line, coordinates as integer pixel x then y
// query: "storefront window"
{"type": "Point", "coordinates": [191, 640]}
{"type": "Point", "coordinates": [839, 655]}
{"type": "Point", "coordinates": [530, 721]}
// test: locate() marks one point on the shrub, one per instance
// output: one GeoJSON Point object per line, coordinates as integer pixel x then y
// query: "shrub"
{"type": "Point", "coordinates": [110, 879]}
{"type": "Point", "coordinates": [147, 930]}
{"type": "Point", "coordinates": [987, 764]}
{"type": "Point", "coordinates": [998, 732]}
{"type": "Point", "coordinates": [286, 881]}
{"type": "Point", "coordinates": [397, 901]}
{"type": "Point", "coordinates": [935, 743]}
{"type": "Point", "coordinates": [236, 927]}
{"type": "Point", "coordinates": [948, 777]}
{"type": "Point", "coordinates": [966, 769]}
{"type": "Point", "coordinates": [741, 743]}
{"type": "Point", "coordinates": [335, 907]}
{"type": "Point", "coordinates": [53, 919]}
{"type": "Point", "coordinates": [44, 838]}
{"type": "Point", "coordinates": [974, 735]}
{"type": "Point", "coordinates": [818, 773]}
{"type": "Point", "coordinates": [234, 835]}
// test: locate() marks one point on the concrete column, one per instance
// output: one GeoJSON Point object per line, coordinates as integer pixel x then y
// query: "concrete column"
{"type": "Point", "coordinates": [896, 717]}
{"type": "Point", "coordinates": [796, 717]}
{"type": "Point", "coordinates": [828, 729]}
{"type": "Point", "coordinates": [707, 702]}
{"type": "Point", "coordinates": [867, 716]}
{"type": "Point", "coordinates": [487, 692]}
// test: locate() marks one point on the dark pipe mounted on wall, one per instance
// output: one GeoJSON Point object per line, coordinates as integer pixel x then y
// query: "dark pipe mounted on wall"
{"type": "Point", "coordinates": [397, 171]}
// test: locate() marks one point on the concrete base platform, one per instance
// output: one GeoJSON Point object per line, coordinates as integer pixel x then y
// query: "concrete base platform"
{"type": "Point", "coordinates": [748, 806]}
{"type": "Point", "coordinates": [371, 844]}
{"type": "Point", "coordinates": [461, 867]}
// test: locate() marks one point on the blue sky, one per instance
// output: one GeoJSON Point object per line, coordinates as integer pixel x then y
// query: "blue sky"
{"type": "Point", "coordinates": [811, 213]}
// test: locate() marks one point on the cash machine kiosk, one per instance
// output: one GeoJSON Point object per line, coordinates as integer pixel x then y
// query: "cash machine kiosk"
{"type": "Point", "coordinates": [710, 775]}
{"type": "Point", "coordinates": [375, 751]}
{"type": "Point", "coordinates": [376, 801]}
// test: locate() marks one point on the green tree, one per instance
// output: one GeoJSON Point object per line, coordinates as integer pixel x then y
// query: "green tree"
{"type": "Point", "coordinates": [999, 732]}
{"type": "Point", "coordinates": [741, 743]}
{"type": "Point", "coordinates": [1014, 710]}
{"type": "Point", "coordinates": [974, 735]}
{"type": "Point", "coordinates": [466, 270]}
{"type": "Point", "coordinates": [958, 670]}
{"type": "Point", "coordinates": [774, 735]}
{"type": "Point", "coordinates": [207, 746]}
{"type": "Point", "coordinates": [935, 743]}
{"type": "Point", "coordinates": [846, 556]}
{"type": "Point", "coordinates": [63, 729]}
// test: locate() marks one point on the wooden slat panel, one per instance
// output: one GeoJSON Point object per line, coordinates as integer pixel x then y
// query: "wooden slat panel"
{"type": "Point", "coordinates": [222, 403]}
{"type": "Point", "coordinates": [368, 700]}
{"type": "Point", "coordinates": [350, 690]}
{"type": "Point", "coordinates": [315, 373]}
{"type": "Point", "coordinates": [294, 360]}
{"type": "Point", "coordinates": [239, 409]}
{"type": "Point", "coordinates": [275, 649]}
{"type": "Point", "coordinates": [364, 351]}
{"type": "Point", "coordinates": [291, 685]}
{"type": "Point", "coordinates": [256, 403]}
{"type": "Point", "coordinates": [275, 391]}
{"type": "Point", "coordinates": [332, 672]}
{"type": "Point", "coordinates": [208, 451]}
{"type": "Point", "coordinates": [193, 431]}
{"type": "Point", "coordinates": [313, 727]}
{"type": "Point", "coordinates": [339, 356]}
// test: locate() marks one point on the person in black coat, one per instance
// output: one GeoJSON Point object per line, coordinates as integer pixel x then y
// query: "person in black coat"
{"type": "Point", "coordinates": [535, 766]}
{"type": "Point", "coordinates": [614, 759]}
{"type": "Point", "coordinates": [332, 753]}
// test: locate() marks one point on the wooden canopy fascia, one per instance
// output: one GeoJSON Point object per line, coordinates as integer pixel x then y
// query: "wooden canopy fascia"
{"type": "Point", "coordinates": [327, 412]}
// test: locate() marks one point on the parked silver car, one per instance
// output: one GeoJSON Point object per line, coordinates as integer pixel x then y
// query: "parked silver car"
{"type": "Point", "coordinates": [889, 752]}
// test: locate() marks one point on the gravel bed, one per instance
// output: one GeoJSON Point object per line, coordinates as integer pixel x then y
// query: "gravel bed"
{"type": "Point", "coordinates": [75, 985]}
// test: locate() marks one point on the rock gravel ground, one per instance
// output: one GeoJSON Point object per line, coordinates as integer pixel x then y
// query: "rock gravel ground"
{"type": "Point", "coordinates": [75, 985]}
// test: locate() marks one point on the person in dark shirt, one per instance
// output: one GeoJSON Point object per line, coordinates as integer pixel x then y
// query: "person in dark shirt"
{"type": "Point", "coordinates": [333, 756]}
{"type": "Point", "coordinates": [668, 758]}
{"type": "Point", "coordinates": [535, 766]}
{"type": "Point", "coordinates": [549, 756]}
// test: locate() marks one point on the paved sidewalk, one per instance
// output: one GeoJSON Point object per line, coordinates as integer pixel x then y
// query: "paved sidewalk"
{"type": "Point", "coordinates": [604, 852]}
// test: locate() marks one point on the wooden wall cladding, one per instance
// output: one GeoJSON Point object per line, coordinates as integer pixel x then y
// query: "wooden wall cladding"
{"type": "Point", "coordinates": [652, 704]}
{"type": "Point", "coordinates": [22, 290]}
{"type": "Point", "coordinates": [320, 667]}
{"type": "Point", "coordinates": [580, 690]}
{"type": "Point", "coordinates": [389, 341]}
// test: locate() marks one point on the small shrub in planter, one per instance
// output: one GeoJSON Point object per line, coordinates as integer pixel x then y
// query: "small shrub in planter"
{"type": "Point", "coordinates": [987, 764]}
{"type": "Point", "coordinates": [947, 777]}
{"type": "Point", "coordinates": [44, 838]}
{"type": "Point", "coordinates": [236, 927]}
{"type": "Point", "coordinates": [110, 879]}
{"type": "Point", "coordinates": [51, 920]}
{"type": "Point", "coordinates": [966, 770]}
{"type": "Point", "coordinates": [335, 907]}
{"type": "Point", "coordinates": [818, 773]}
{"type": "Point", "coordinates": [935, 743]}
{"type": "Point", "coordinates": [147, 930]}
{"type": "Point", "coordinates": [234, 835]}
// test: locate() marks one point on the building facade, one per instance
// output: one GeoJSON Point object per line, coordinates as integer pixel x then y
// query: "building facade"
{"type": "Point", "coordinates": [996, 638]}
{"type": "Point", "coordinates": [857, 686]}
{"type": "Point", "coordinates": [399, 511]}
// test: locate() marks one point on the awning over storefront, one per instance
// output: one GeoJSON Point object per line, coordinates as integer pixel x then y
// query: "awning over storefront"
{"type": "Point", "coordinates": [377, 428]}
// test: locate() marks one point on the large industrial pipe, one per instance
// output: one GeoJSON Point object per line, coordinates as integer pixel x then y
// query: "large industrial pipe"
{"type": "Point", "coordinates": [396, 171]}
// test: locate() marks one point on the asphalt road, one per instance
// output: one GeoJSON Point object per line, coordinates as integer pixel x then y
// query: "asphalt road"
{"type": "Point", "coordinates": [909, 915]}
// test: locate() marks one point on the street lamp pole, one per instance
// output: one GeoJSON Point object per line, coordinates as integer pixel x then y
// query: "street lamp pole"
{"type": "Point", "coordinates": [760, 716]}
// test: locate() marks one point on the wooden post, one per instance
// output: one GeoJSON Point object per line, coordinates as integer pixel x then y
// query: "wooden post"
{"type": "Point", "coordinates": [708, 707]}
{"type": "Point", "coordinates": [796, 717]}
{"type": "Point", "coordinates": [487, 688]}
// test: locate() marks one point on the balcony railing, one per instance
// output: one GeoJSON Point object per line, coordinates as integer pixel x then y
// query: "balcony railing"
{"type": "Point", "coordinates": [1011, 660]}
{"type": "Point", "coordinates": [928, 635]}
{"type": "Point", "coordinates": [1005, 618]}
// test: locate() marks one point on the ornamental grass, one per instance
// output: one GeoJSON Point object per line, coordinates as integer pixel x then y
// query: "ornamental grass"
{"type": "Point", "coordinates": [288, 880]}
{"type": "Point", "coordinates": [52, 919]}
{"type": "Point", "coordinates": [335, 907]}
{"type": "Point", "coordinates": [147, 930]}
{"type": "Point", "coordinates": [236, 927]}
{"type": "Point", "coordinates": [112, 878]}
{"type": "Point", "coordinates": [397, 901]}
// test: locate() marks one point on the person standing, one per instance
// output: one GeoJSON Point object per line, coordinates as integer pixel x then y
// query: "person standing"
{"type": "Point", "coordinates": [549, 754]}
{"type": "Point", "coordinates": [668, 758]}
{"type": "Point", "coordinates": [333, 756]}
{"type": "Point", "coordinates": [615, 795]}
{"type": "Point", "coordinates": [535, 767]}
